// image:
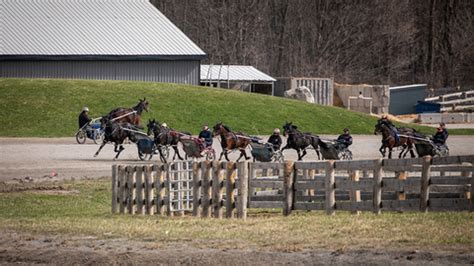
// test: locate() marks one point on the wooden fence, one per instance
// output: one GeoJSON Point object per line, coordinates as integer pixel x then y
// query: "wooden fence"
{"type": "Point", "coordinates": [228, 189]}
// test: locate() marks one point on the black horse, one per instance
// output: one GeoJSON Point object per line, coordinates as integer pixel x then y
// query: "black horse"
{"type": "Point", "coordinates": [164, 136]}
{"type": "Point", "coordinates": [300, 141]}
{"type": "Point", "coordinates": [116, 132]}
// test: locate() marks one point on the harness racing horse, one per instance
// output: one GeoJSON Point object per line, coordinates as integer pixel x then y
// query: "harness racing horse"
{"type": "Point", "coordinates": [116, 132]}
{"type": "Point", "coordinates": [300, 141]}
{"type": "Point", "coordinates": [231, 141]}
{"type": "Point", "coordinates": [164, 136]}
{"type": "Point", "coordinates": [389, 140]}
{"type": "Point", "coordinates": [129, 115]}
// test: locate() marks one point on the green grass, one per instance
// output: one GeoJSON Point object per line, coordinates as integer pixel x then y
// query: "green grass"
{"type": "Point", "coordinates": [87, 213]}
{"type": "Point", "coordinates": [49, 108]}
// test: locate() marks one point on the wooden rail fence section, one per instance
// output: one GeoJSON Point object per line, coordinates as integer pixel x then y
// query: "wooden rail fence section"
{"type": "Point", "coordinates": [228, 189]}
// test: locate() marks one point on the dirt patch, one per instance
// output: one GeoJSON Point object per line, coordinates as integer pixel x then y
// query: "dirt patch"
{"type": "Point", "coordinates": [38, 249]}
{"type": "Point", "coordinates": [43, 188]}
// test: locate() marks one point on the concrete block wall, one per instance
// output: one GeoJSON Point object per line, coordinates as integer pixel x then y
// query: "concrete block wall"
{"type": "Point", "coordinates": [453, 118]}
{"type": "Point", "coordinates": [430, 118]}
{"type": "Point", "coordinates": [435, 118]}
{"type": "Point", "coordinates": [380, 97]}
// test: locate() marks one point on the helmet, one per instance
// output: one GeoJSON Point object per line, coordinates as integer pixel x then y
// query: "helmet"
{"type": "Point", "coordinates": [164, 125]}
{"type": "Point", "coordinates": [85, 109]}
{"type": "Point", "coordinates": [345, 130]}
{"type": "Point", "coordinates": [205, 127]}
{"type": "Point", "coordinates": [276, 131]}
{"type": "Point", "coordinates": [442, 124]}
{"type": "Point", "coordinates": [384, 117]}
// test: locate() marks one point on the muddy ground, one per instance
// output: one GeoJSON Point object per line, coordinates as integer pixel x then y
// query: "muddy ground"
{"type": "Point", "coordinates": [41, 249]}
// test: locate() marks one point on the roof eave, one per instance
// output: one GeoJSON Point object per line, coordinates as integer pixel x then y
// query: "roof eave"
{"type": "Point", "coordinates": [196, 57]}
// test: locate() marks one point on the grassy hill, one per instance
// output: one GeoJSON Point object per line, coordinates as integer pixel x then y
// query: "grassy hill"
{"type": "Point", "coordinates": [49, 108]}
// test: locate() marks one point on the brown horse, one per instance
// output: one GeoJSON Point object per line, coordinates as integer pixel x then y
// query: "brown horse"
{"type": "Point", "coordinates": [231, 141]}
{"type": "Point", "coordinates": [389, 140]}
{"type": "Point", "coordinates": [129, 115]}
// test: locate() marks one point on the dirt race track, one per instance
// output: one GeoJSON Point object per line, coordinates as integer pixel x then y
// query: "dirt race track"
{"type": "Point", "coordinates": [63, 158]}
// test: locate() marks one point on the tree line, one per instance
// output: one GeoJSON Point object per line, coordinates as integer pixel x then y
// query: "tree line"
{"type": "Point", "coordinates": [392, 42]}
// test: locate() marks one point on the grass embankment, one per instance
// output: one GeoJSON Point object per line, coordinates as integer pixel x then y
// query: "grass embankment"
{"type": "Point", "coordinates": [87, 212]}
{"type": "Point", "coordinates": [49, 108]}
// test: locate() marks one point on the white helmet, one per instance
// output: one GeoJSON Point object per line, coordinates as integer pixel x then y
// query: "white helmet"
{"type": "Point", "coordinates": [276, 131]}
{"type": "Point", "coordinates": [164, 125]}
{"type": "Point", "coordinates": [85, 109]}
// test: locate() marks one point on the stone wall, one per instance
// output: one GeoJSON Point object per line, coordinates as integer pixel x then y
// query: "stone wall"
{"type": "Point", "coordinates": [379, 93]}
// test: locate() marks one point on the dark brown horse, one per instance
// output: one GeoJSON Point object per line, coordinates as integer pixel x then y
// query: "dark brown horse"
{"type": "Point", "coordinates": [129, 115]}
{"type": "Point", "coordinates": [165, 137]}
{"type": "Point", "coordinates": [231, 141]}
{"type": "Point", "coordinates": [389, 139]}
{"type": "Point", "coordinates": [299, 141]}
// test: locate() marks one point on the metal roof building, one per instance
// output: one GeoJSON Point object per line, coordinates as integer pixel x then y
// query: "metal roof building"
{"type": "Point", "coordinates": [403, 99]}
{"type": "Point", "coordinates": [245, 78]}
{"type": "Point", "coordinates": [94, 39]}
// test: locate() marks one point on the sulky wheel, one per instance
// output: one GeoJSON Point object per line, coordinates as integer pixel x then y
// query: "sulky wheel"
{"type": "Point", "coordinates": [81, 137]}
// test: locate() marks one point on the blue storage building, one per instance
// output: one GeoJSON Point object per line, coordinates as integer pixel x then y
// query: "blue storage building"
{"type": "Point", "coordinates": [403, 99]}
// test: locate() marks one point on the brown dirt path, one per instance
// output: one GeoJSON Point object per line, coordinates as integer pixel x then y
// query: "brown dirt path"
{"type": "Point", "coordinates": [42, 249]}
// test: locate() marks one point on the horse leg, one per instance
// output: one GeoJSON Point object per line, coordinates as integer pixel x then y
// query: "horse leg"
{"type": "Point", "coordinates": [176, 152]}
{"type": "Point", "coordinates": [244, 153]}
{"type": "Point", "coordinates": [299, 155]}
{"type": "Point", "coordinates": [121, 148]}
{"type": "Point", "coordinates": [382, 151]}
{"type": "Point", "coordinates": [390, 153]}
{"type": "Point", "coordinates": [412, 153]}
{"type": "Point", "coordinates": [100, 148]}
{"type": "Point", "coordinates": [227, 158]}
{"type": "Point", "coordinates": [401, 153]}
{"type": "Point", "coordinates": [304, 153]}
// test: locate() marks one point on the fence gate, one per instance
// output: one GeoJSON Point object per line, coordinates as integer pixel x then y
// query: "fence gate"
{"type": "Point", "coordinates": [180, 190]}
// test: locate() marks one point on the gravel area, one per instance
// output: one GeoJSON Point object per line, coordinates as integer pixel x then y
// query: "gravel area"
{"type": "Point", "coordinates": [63, 158]}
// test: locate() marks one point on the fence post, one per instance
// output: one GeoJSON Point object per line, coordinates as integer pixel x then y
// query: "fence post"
{"type": "Point", "coordinates": [311, 174]}
{"type": "Point", "coordinates": [148, 190]}
{"type": "Point", "coordinates": [122, 188]}
{"type": "Point", "coordinates": [252, 176]}
{"type": "Point", "coordinates": [377, 190]}
{"type": "Point", "coordinates": [230, 186]}
{"type": "Point", "coordinates": [467, 194]}
{"type": "Point", "coordinates": [169, 187]}
{"type": "Point", "coordinates": [131, 189]}
{"type": "Point", "coordinates": [196, 190]}
{"type": "Point", "coordinates": [139, 189]}
{"type": "Point", "coordinates": [330, 188]}
{"type": "Point", "coordinates": [206, 187]}
{"type": "Point", "coordinates": [160, 188]}
{"type": "Point", "coordinates": [401, 195]}
{"type": "Point", "coordinates": [114, 188]}
{"type": "Point", "coordinates": [288, 187]}
{"type": "Point", "coordinates": [472, 192]}
{"type": "Point", "coordinates": [355, 194]}
{"type": "Point", "coordinates": [243, 190]}
{"type": "Point", "coordinates": [425, 183]}
{"type": "Point", "coordinates": [217, 189]}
